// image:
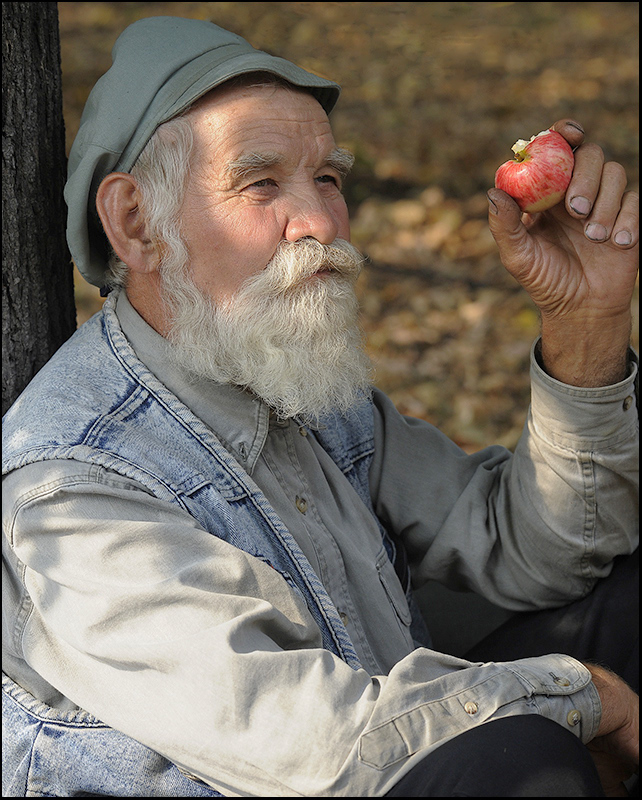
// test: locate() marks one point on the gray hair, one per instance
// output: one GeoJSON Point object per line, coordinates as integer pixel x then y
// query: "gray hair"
{"type": "Point", "coordinates": [161, 172]}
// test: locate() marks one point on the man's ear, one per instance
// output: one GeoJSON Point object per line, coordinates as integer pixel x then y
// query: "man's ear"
{"type": "Point", "coordinates": [117, 203]}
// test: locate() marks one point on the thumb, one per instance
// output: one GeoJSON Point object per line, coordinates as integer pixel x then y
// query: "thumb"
{"type": "Point", "coordinates": [508, 230]}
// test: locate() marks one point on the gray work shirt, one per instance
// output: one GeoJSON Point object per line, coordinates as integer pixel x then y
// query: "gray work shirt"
{"type": "Point", "coordinates": [527, 530]}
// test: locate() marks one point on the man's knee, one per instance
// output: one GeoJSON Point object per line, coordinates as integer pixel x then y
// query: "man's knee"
{"type": "Point", "coordinates": [523, 756]}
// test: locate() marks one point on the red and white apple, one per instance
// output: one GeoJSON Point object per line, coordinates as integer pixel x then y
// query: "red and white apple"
{"type": "Point", "coordinates": [538, 176]}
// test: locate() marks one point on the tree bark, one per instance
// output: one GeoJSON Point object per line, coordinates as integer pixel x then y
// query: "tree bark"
{"type": "Point", "coordinates": [38, 312]}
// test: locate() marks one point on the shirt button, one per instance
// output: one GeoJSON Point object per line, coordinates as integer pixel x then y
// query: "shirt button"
{"type": "Point", "coordinates": [562, 681]}
{"type": "Point", "coordinates": [303, 430]}
{"type": "Point", "coordinates": [628, 402]}
{"type": "Point", "coordinates": [301, 503]}
{"type": "Point", "coordinates": [574, 717]}
{"type": "Point", "coordinates": [471, 708]}
{"type": "Point", "coordinates": [344, 617]}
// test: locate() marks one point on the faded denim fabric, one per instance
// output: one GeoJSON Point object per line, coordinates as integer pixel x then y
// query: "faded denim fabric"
{"type": "Point", "coordinates": [42, 748]}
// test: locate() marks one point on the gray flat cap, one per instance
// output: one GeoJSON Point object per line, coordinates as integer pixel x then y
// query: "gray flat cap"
{"type": "Point", "coordinates": [160, 66]}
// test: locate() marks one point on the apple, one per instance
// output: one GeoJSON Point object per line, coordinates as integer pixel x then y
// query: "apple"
{"type": "Point", "coordinates": [538, 176]}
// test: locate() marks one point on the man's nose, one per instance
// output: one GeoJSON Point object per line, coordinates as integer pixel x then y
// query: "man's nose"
{"type": "Point", "coordinates": [311, 218]}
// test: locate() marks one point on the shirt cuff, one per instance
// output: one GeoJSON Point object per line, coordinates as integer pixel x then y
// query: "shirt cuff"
{"type": "Point", "coordinates": [583, 417]}
{"type": "Point", "coordinates": [570, 681]}
{"type": "Point", "coordinates": [555, 686]}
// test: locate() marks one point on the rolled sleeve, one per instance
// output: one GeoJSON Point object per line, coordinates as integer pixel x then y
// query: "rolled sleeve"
{"type": "Point", "coordinates": [579, 462]}
{"type": "Point", "coordinates": [580, 418]}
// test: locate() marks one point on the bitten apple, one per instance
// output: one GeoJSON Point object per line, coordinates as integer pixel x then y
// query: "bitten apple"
{"type": "Point", "coordinates": [538, 176]}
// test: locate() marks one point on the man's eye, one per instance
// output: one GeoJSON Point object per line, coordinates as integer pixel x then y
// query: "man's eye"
{"type": "Point", "coordinates": [263, 182]}
{"type": "Point", "coordinates": [328, 179]}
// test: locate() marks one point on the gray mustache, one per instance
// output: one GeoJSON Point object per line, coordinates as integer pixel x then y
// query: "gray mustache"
{"type": "Point", "coordinates": [305, 257]}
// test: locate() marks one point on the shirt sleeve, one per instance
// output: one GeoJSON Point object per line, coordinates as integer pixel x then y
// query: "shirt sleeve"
{"type": "Point", "coordinates": [204, 653]}
{"type": "Point", "coordinates": [530, 529]}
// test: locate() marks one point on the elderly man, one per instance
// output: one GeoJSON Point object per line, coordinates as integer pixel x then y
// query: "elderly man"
{"type": "Point", "coordinates": [213, 523]}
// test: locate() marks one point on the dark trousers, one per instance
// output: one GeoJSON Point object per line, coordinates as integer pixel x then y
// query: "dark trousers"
{"type": "Point", "coordinates": [530, 756]}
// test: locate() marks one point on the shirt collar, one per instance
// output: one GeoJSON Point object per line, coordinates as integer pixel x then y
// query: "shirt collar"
{"type": "Point", "coordinates": [238, 418]}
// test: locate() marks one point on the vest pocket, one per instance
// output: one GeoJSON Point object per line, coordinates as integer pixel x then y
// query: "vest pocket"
{"type": "Point", "coordinates": [393, 588]}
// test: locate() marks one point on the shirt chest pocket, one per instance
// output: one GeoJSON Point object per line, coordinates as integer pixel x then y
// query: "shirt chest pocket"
{"type": "Point", "coordinates": [393, 588]}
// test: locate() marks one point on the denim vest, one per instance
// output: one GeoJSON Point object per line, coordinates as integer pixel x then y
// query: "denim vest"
{"type": "Point", "coordinates": [124, 419]}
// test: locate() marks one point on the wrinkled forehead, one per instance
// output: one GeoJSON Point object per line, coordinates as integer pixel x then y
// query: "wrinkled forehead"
{"type": "Point", "coordinates": [234, 121]}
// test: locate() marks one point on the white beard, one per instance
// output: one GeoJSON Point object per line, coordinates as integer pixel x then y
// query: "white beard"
{"type": "Point", "coordinates": [290, 337]}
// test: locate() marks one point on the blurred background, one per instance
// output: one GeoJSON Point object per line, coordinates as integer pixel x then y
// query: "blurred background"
{"type": "Point", "coordinates": [434, 95]}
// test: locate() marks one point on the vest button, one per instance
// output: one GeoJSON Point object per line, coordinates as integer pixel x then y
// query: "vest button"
{"type": "Point", "coordinates": [471, 708]}
{"type": "Point", "coordinates": [301, 503]}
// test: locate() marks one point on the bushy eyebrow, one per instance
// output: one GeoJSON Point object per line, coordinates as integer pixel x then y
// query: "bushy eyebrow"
{"type": "Point", "coordinates": [341, 160]}
{"type": "Point", "coordinates": [248, 164]}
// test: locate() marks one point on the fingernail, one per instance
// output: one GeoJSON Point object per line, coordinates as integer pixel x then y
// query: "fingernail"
{"type": "Point", "coordinates": [596, 232]}
{"type": "Point", "coordinates": [491, 205]}
{"type": "Point", "coordinates": [623, 238]}
{"type": "Point", "coordinates": [580, 205]}
{"type": "Point", "coordinates": [576, 126]}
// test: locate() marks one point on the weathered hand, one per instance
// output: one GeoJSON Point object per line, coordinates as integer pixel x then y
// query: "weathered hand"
{"type": "Point", "coordinates": [615, 748]}
{"type": "Point", "coordinates": [581, 255]}
{"type": "Point", "coordinates": [578, 261]}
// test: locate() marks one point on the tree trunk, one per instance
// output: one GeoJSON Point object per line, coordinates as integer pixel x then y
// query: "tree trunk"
{"type": "Point", "coordinates": [38, 312]}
